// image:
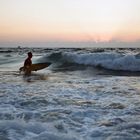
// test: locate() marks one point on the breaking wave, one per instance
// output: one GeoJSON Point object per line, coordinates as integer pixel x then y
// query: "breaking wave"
{"type": "Point", "coordinates": [107, 60]}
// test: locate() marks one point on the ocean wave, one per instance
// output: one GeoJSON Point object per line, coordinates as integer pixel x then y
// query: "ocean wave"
{"type": "Point", "coordinates": [117, 59]}
{"type": "Point", "coordinates": [107, 60]}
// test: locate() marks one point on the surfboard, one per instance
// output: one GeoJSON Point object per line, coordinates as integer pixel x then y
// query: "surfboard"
{"type": "Point", "coordinates": [35, 67]}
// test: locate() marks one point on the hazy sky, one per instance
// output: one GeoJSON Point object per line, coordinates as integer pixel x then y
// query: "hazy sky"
{"type": "Point", "coordinates": [69, 20]}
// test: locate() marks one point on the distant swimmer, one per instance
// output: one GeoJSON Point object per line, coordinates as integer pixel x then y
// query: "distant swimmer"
{"type": "Point", "coordinates": [27, 64]}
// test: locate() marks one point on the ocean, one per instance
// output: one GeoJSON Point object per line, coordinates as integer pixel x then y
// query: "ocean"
{"type": "Point", "coordinates": [85, 94]}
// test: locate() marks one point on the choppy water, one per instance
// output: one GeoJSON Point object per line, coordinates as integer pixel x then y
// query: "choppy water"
{"type": "Point", "coordinates": [85, 94]}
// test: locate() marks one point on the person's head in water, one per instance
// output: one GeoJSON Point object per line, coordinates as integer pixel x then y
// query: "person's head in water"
{"type": "Point", "coordinates": [30, 55]}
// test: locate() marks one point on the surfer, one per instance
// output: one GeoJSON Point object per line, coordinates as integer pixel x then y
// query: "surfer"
{"type": "Point", "coordinates": [29, 67]}
{"type": "Point", "coordinates": [27, 64]}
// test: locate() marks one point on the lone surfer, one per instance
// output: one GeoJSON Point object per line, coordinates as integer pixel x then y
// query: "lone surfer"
{"type": "Point", "coordinates": [29, 67]}
{"type": "Point", "coordinates": [27, 64]}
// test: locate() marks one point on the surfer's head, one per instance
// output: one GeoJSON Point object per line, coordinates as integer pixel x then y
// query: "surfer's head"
{"type": "Point", "coordinates": [30, 55]}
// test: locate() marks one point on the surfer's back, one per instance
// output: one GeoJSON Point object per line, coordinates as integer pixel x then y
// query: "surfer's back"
{"type": "Point", "coordinates": [28, 62]}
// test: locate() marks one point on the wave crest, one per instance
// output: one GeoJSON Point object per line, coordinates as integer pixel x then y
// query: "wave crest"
{"type": "Point", "coordinates": [107, 60]}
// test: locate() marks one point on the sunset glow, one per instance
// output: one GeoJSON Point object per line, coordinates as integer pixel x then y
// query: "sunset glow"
{"type": "Point", "coordinates": [69, 20]}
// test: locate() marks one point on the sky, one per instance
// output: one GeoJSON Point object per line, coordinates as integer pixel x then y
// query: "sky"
{"type": "Point", "coordinates": [69, 20]}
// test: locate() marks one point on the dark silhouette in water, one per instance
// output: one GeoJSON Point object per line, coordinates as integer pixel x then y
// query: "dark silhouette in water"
{"type": "Point", "coordinates": [27, 64]}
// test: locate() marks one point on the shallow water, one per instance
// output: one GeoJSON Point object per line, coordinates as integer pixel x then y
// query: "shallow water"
{"type": "Point", "coordinates": [68, 103]}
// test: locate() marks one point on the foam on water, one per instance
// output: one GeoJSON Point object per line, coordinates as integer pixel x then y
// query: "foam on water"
{"type": "Point", "coordinates": [66, 106]}
{"type": "Point", "coordinates": [21, 130]}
